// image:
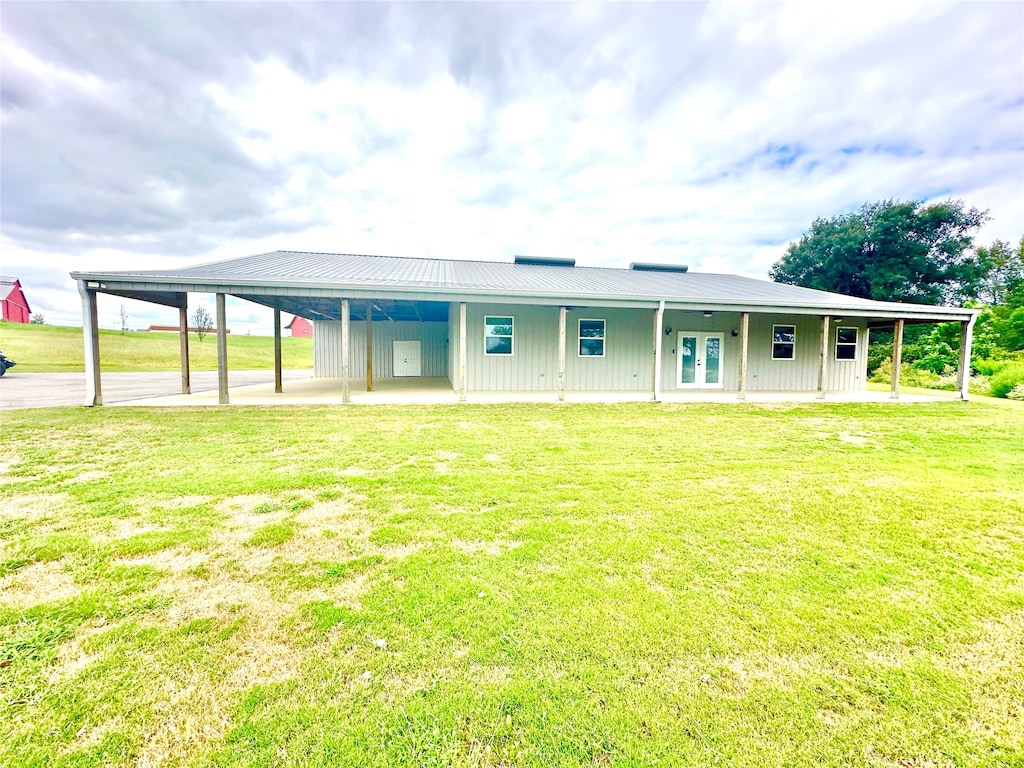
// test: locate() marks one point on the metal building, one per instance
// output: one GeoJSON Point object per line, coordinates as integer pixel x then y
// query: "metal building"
{"type": "Point", "coordinates": [537, 324]}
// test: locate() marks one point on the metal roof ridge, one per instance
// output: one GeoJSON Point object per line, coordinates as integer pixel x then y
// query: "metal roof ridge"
{"type": "Point", "coordinates": [447, 260]}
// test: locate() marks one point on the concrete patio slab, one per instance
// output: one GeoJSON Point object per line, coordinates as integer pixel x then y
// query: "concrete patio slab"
{"type": "Point", "coordinates": [46, 390]}
{"type": "Point", "coordinates": [431, 391]}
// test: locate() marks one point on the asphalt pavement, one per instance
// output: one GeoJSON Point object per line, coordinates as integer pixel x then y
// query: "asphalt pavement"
{"type": "Point", "coordinates": [44, 390]}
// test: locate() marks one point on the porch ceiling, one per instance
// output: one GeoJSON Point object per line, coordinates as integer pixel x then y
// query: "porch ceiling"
{"type": "Point", "coordinates": [321, 308]}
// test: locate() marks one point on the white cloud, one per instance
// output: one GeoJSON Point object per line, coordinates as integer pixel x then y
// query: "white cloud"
{"type": "Point", "coordinates": [711, 135]}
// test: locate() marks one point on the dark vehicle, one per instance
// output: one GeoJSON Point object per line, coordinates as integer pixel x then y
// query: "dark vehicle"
{"type": "Point", "coordinates": [5, 363]}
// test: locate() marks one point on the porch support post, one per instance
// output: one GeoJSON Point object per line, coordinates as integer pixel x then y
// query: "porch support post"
{"type": "Point", "coordinates": [659, 321]}
{"type": "Point", "coordinates": [369, 346]}
{"type": "Point", "coordinates": [346, 362]}
{"type": "Point", "coordinates": [744, 345]}
{"type": "Point", "coordinates": [278, 389]}
{"type": "Point", "coordinates": [222, 350]}
{"type": "Point", "coordinates": [963, 374]}
{"type": "Point", "coordinates": [186, 375]}
{"type": "Point", "coordinates": [561, 353]}
{"type": "Point", "coordinates": [91, 338]}
{"type": "Point", "coordinates": [462, 352]}
{"type": "Point", "coordinates": [897, 359]}
{"type": "Point", "coordinates": [823, 362]}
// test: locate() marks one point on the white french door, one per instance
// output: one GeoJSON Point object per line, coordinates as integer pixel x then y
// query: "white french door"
{"type": "Point", "coordinates": [699, 360]}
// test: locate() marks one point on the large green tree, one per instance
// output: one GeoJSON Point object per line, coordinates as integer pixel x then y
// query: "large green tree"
{"type": "Point", "coordinates": [890, 251]}
{"type": "Point", "coordinates": [1003, 278]}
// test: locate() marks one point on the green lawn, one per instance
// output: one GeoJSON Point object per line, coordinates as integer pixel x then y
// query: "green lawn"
{"type": "Point", "coordinates": [523, 585]}
{"type": "Point", "coordinates": [58, 349]}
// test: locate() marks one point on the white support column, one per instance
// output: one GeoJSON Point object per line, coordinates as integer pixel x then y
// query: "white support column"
{"type": "Point", "coordinates": [823, 361]}
{"type": "Point", "coordinates": [463, 347]}
{"type": "Point", "coordinates": [561, 353]}
{"type": "Point", "coordinates": [222, 350]}
{"type": "Point", "coordinates": [186, 374]}
{"type": "Point", "coordinates": [369, 346]}
{"type": "Point", "coordinates": [278, 388]}
{"type": "Point", "coordinates": [346, 361]}
{"type": "Point", "coordinates": [897, 359]}
{"type": "Point", "coordinates": [963, 376]}
{"type": "Point", "coordinates": [659, 322]}
{"type": "Point", "coordinates": [91, 338]}
{"type": "Point", "coordinates": [744, 346]}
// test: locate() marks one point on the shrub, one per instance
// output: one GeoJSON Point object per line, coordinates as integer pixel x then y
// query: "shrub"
{"type": "Point", "coordinates": [936, 357]}
{"type": "Point", "coordinates": [988, 367]}
{"type": "Point", "coordinates": [979, 385]}
{"type": "Point", "coordinates": [1006, 379]}
{"type": "Point", "coordinates": [877, 355]}
{"type": "Point", "coordinates": [1017, 393]}
{"type": "Point", "coordinates": [909, 376]}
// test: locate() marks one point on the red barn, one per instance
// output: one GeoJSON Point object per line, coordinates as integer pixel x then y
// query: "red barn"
{"type": "Point", "coordinates": [300, 326]}
{"type": "Point", "coordinates": [15, 305]}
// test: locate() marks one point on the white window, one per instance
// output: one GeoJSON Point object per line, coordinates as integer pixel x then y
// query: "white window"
{"type": "Point", "coordinates": [783, 342]}
{"type": "Point", "coordinates": [591, 338]}
{"type": "Point", "coordinates": [846, 343]}
{"type": "Point", "coordinates": [498, 335]}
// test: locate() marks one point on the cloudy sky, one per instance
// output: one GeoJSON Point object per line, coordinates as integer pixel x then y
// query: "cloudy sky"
{"type": "Point", "coordinates": [145, 135]}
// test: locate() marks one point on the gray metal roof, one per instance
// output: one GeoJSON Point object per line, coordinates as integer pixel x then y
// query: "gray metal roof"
{"type": "Point", "coordinates": [445, 278]}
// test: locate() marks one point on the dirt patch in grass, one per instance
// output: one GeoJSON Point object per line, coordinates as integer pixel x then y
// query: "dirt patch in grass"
{"type": "Point", "coordinates": [36, 506]}
{"type": "Point", "coordinates": [496, 547]}
{"type": "Point", "coordinates": [174, 560]}
{"type": "Point", "coordinates": [6, 463]}
{"type": "Point", "coordinates": [995, 661]}
{"type": "Point", "coordinates": [194, 706]}
{"type": "Point", "coordinates": [87, 477]}
{"type": "Point", "coordinates": [182, 502]}
{"type": "Point", "coordinates": [875, 757]}
{"type": "Point", "coordinates": [90, 736]}
{"type": "Point", "coordinates": [776, 670]}
{"type": "Point", "coordinates": [192, 715]}
{"type": "Point", "coordinates": [346, 593]}
{"type": "Point", "coordinates": [74, 656]}
{"type": "Point", "coordinates": [225, 585]}
{"type": "Point", "coordinates": [126, 529]}
{"type": "Point", "coordinates": [846, 437]}
{"type": "Point", "coordinates": [38, 583]}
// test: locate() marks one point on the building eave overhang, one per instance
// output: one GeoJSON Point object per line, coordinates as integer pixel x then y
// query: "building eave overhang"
{"type": "Point", "coordinates": [139, 285]}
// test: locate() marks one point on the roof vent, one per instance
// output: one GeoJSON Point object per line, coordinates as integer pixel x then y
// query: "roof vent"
{"type": "Point", "coordinates": [545, 261]}
{"type": "Point", "coordinates": [640, 266]}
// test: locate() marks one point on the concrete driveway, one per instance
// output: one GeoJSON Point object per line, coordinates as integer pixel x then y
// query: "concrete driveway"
{"type": "Point", "coordinates": [43, 390]}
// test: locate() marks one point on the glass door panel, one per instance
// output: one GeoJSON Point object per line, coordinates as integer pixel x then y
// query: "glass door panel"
{"type": "Point", "coordinates": [713, 360]}
{"type": "Point", "coordinates": [688, 360]}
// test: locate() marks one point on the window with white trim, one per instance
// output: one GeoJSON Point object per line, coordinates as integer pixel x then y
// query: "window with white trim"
{"type": "Point", "coordinates": [783, 342]}
{"type": "Point", "coordinates": [498, 335]}
{"type": "Point", "coordinates": [846, 343]}
{"type": "Point", "coordinates": [591, 338]}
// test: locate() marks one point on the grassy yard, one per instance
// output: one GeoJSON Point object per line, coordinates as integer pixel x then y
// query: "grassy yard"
{"type": "Point", "coordinates": [57, 349]}
{"type": "Point", "coordinates": [524, 585]}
